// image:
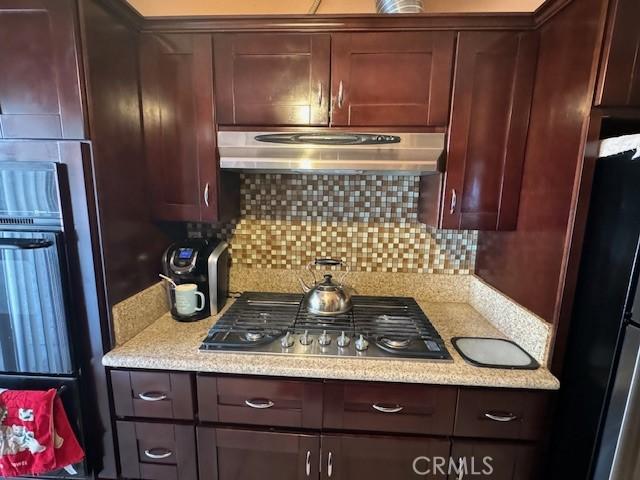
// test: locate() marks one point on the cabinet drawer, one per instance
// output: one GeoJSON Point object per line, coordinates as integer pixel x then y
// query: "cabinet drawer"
{"type": "Point", "coordinates": [157, 451]}
{"type": "Point", "coordinates": [249, 401]}
{"type": "Point", "coordinates": [389, 407]}
{"type": "Point", "coordinates": [517, 415]}
{"type": "Point", "coordinates": [152, 394]}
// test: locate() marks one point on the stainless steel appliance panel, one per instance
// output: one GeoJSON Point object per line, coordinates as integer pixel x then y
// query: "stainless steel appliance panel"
{"type": "Point", "coordinates": [619, 457]}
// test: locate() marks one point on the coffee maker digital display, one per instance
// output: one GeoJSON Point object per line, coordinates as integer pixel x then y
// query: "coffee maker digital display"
{"type": "Point", "coordinates": [203, 262]}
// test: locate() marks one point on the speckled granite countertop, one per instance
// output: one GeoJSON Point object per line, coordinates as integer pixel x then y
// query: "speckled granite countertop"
{"type": "Point", "coordinates": [170, 345]}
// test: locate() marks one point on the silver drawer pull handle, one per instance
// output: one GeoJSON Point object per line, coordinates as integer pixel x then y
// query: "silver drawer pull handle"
{"type": "Point", "coordinates": [330, 465]}
{"type": "Point", "coordinates": [259, 403]}
{"type": "Point", "coordinates": [308, 463]}
{"type": "Point", "coordinates": [340, 94]}
{"type": "Point", "coordinates": [383, 409]}
{"type": "Point", "coordinates": [206, 194]}
{"type": "Point", "coordinates": [158, 456]}
{"type": "Point", "coordinates": [454, 202]}
{"type": "Point", "coordinates": [152, 396]}
{"type": "Point", "coordinates": [508, 417]}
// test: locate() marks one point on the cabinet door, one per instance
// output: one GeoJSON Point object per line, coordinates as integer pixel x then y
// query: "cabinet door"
{"type": "Point", "coordinates": [391, 79]}
{"type": "Point", "coordinates": [619, 78]}
{"type": "Point", "coordinates": [179, 129]}
{"type": "Point", "coordinates": [493, 86]}
{"type": "Point", "coordinates": [494, 460]}
{"type": "Point", "coordinates": [272, 79]}
{"type": "Point", "coordinates": [346, 457]}
{"type": "Point", "coordinates": [157, 451]}
{"type": "Point", "coordinates": [229, 454]}
{"type": "Point", "coordinates": [39, 74]}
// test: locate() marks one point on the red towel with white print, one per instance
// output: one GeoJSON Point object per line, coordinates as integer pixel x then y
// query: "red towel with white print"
{"type": "Point", "coordinates": [35, 434]}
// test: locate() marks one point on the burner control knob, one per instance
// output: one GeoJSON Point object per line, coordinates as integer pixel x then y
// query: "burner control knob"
{"type": "Point", "coordinates": [361, 344]}
{"type": "Point", "coordinates": [324, 339]}
{"type": "Point", "coordinates": [286, 341]}
{"type": "Point", "coordinates": [305, 339]}
{"type": "Point", "coordinates": [343, 340]}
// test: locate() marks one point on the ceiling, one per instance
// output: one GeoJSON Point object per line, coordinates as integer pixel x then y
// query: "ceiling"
{"type": "Point", "coordinates": [161, 8]}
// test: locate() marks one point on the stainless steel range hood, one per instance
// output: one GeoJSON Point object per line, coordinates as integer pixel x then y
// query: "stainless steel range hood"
{"type": "Point", "coordinates": [329, 152]}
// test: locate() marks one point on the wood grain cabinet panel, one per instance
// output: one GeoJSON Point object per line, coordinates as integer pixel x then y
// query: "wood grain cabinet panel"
{"type": "Point", "coordinates": [40, 90]}
{"type": "Point", "coordinates": [391, 79]}
{"type": "Point", "coordinates": [492, 93]}
{"type": "Point", "coordinates": [513, 414]}
{"type": "Point", "coordinates": [256, 401]}
{"type": "Point", "coordinates": [179, 130]}
{"type": "Point", "coordinates": [349, 457]}
{"type": "Point", "coordinates": [230, 454]}
{"type": "Point", "coordinates": [157, 451]}
{"type": "Point", "coordinates": [272, 79]}
{"type": "Point", "coordinates": [619, 75]}
{"type": "Point", "coordinates": [378, 407]}
{"type": "Point", "coordinates": [495, 460]}
{"type": "Point", "coordinates": [152, 394]}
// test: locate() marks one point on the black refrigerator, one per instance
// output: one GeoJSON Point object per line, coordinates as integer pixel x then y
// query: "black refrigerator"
{"type": "Point", "coordinates": [597, 425]}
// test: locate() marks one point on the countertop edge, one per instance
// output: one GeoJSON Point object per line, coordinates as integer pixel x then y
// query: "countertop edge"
{"type": "Point", "coordinates": [153, 363]}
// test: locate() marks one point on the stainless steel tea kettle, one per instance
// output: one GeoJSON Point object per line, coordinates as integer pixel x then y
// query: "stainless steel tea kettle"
{"type": "Point", "coordinates": [327, 297]}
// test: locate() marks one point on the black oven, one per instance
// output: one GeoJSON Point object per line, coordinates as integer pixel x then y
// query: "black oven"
{"type": "Point", "coordinates": [36, 325]}
{"type": "Point", "coordinates": [34, 338]}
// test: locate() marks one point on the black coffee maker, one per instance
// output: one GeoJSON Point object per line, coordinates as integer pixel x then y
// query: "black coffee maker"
{"type": "Point", "coordinates": [204, 262]}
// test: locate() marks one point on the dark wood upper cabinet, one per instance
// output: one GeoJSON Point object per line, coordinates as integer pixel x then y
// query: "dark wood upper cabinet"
{"type": "Point", "coordinates": [619, 76]}
{"type": "Point", "coordinates": [391, 79]}
{"type": "Point", "coordinates": [272, 79]}
{"type": "Point", "coordinates": [349, 457]}
{"type": "Point", "coordinates": [494, 76]}
{"type": "Point", "coordinates": [230, 454]}
{"type": "Point", "coordinates": [179, 130]}
{"type": "Point", "coordinates": [40, 90]}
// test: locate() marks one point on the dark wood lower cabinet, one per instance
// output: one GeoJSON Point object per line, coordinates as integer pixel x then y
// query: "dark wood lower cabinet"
{"type": "Point", "coordinates": [230, 454]}
{"type": "Point", "coordinates": [350, 457]}
{"type": "Point", "coordinates": [157, 451]}
{"type": "Point", "coordinates": [260, 428]}
{"type": "Point", "coordinates": [495, 460]}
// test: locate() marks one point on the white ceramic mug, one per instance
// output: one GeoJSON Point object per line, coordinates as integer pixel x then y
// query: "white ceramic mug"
{"type": "Point", "coordinates": [186, 299]}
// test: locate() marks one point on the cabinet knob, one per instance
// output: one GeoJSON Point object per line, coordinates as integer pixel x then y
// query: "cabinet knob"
{"type": "Point", "coordinates": [308, 464]}
{"type": "Point", "coordinates": [454, 201]}
{"type": "Point", "coordinates": [330, 465]}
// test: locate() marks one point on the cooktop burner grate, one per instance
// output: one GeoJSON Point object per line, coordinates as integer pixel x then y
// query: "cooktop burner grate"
{"type": "Point", "coordinates": [393, 326]}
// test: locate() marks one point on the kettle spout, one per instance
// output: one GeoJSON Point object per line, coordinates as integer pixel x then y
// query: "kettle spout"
{"type": "Point", "coordinates": [305, 287]}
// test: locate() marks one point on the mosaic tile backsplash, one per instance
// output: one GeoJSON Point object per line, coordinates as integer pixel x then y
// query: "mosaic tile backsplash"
{"type": "Point", "coordinates": [368, 220]}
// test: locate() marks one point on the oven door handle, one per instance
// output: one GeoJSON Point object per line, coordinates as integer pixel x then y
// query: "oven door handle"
{"type": "Point", "coordinates": [24, 243]}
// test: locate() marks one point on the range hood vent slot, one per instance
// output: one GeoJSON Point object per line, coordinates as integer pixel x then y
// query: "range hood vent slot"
{"type": "Point", "coordinates": [329, 152]}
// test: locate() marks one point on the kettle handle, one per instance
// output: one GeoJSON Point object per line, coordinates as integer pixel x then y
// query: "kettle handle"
{"type": "Point", "coordinates": [331, 262]}
{"type": "Point", "coordinates": [303, 284]}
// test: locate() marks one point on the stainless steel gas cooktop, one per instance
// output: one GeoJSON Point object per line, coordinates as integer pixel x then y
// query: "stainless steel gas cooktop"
{"type": "Point", "coordinates": [376, 327]}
